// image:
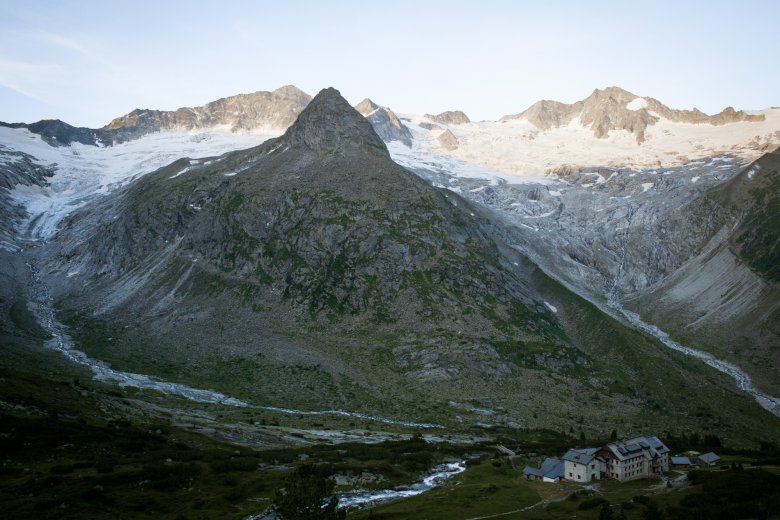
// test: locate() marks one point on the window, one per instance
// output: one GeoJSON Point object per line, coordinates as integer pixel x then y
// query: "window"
{"type": "Point", "coordinates": [579, 477]}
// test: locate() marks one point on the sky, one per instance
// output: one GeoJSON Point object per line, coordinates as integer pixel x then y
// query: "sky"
{"type": "Point", "coordinates": [87, 62]}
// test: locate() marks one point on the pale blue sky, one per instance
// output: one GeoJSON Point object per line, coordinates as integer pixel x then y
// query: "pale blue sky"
{"type": "Point", "coordinates": [87, 62]}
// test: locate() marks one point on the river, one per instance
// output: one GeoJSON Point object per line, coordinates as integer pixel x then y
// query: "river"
{"type": "Point", "coordinates": [41, 305]}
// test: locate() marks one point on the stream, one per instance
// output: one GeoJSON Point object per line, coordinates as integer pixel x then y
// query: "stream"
{"type": "Point", "coordinates": [438, 476]}
{"type": "Point", "coordinates": [743, 381]}
{"type": "Point", "coordinates": [41, 304]}
{"type": "Point", "coordinates": [354, 500]}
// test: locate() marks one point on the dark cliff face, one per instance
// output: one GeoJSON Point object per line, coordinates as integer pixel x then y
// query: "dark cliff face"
{"type": "Point", "coordinates": [331, 125]}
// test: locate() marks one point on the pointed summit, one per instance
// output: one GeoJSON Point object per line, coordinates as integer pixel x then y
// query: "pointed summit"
{"type": "Point", "coordinates": [330, 124]}
{"type": "Point", "coordinates": [366, 107]}
{"type": "Point", "coordinates": [385, 122]}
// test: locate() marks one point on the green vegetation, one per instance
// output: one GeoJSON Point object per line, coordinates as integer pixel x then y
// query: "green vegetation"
{"type": "Point", "coordinates": [25, 321]}
{"type": "Point", "coordinates": [483, 489]}
{"type": "Point", "coordinates": [732, 494]}
{"type": "Point", "coordinates": [758, 235]}
{"type": "Point", "coordinates": [307, 495]}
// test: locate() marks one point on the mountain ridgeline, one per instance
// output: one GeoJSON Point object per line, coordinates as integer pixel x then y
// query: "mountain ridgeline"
{"type": "Point", "coordinates": [313, 271]}
{"type": "Point", "coordinates": [616, 109]}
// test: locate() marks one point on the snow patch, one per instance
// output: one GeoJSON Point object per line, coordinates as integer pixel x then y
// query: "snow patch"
{"type": "Point", "coordinates": [637, 104]}
{"type": "Point", "coordinates": [694, 180]}
{"type": "Point", "coordinates": [647, 185]}
{"type": "Point", "coordinates": [185, 170]}
{"type": "Point", "coordinates": [551, 307]}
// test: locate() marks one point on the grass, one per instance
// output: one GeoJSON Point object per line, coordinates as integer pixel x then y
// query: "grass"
{"type": "Point", "coordinates": [482, 489]}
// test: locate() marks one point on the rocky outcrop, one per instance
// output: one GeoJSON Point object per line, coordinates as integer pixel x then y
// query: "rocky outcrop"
{"type": "Point", "coordinates": [448, 141]}
{"type": "Point", "coordinates": [616, 109]}
{"type": "Point", "coordinates": [385, 122]}
{"type": "Point", "coordinates": [244, 112]}
{"type": "Point", "coordinates": [450, 117]}
{"type": "Point", "coordinates": [16, 168]}
{"type": "Point", "coordinates": [58, 133]}
{"type": "Point", "coordinates": [331, 125]}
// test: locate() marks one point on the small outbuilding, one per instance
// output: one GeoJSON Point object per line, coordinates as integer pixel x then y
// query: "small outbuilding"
{"type": "Point", "coordinates": [708, 459]}
{"type": "Point", "coordinates": [551, 471]}
{"type": "Point", "coordinates": [681, 462]}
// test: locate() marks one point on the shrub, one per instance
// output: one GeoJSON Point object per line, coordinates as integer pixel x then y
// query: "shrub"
{"type": "Point", "coordinates": [592, 503]}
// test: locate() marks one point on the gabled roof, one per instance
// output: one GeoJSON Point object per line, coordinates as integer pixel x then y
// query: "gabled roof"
{"type": "Point", "coordinates": [552, 468]}
{"type": "Point", "coordinates": [580, 456]}
{"type": "Point", "coordinates": [709, 458]}
{"type": "Point", "coordinates": [528, 470]}
{"type": "Point", "coordinates": [681, 461]}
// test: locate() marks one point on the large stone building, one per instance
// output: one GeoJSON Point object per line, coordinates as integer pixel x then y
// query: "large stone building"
{"type": "Point", "coordinates": [641, 457]}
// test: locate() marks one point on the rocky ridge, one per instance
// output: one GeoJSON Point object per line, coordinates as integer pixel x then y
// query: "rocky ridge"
{"type": "Point", "coordinates": [450, 117]}
{"type": "Point", "coordinates": [386, 124]}
{"type": "Point", "coordinates": [616, 109]}
{"type": "Point", "coordinates": [242, 112]}
{"type": "Point", "coordinates": [447, 140]}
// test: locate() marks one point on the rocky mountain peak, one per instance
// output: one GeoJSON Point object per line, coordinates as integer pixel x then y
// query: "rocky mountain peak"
{"type": "Point", "coordinates": [450, 117]}
{"type": "Point", "coordinates": [291, 91]}
{"type": "Point", "coordinates": [330, 124]}
{"type": "Point", "coordinates": [242, 112]}
{"type": "Point", "coordinates": [366, 107]}
{"type": "Point", "coordinates": [614, 108]}
{"type": "Point", "coordinates": [386, 124]}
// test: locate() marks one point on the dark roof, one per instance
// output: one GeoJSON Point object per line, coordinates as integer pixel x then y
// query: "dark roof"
{"type": "Point", "coordinates": [528, 470]}
{"type": "Point", "coordinates": [580, 456]}
{"type": "Point", "coordinates": [552, 468]}
{"type": "Point", "coordinates": [648, 447]}
{"type": "Point", "coordinates": [709, 458]}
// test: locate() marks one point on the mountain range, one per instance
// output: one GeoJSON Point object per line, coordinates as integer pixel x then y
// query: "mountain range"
{"type": "Point", "coordinates": [300, 252]}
